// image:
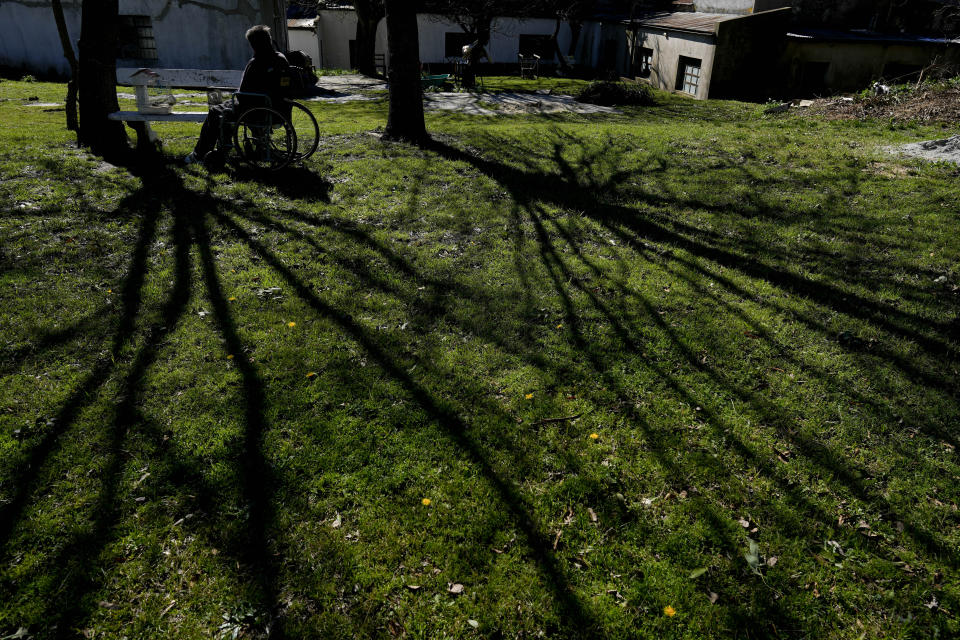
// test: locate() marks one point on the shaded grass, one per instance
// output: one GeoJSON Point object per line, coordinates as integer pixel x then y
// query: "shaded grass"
{"type": "Point", "coordinates": [757, 317]}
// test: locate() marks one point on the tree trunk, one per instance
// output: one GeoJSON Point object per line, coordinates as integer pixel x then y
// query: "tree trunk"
{"type": "Point", "coordinates": [405, 118]}
{"type": "Point", "coordinates": [98, 78]}
{"type": "Point", "coordinates": [71, 108]}
{"type": "Point", "coordinates": [555, 39]}
{"type": "Point", "coordinates": [369, 14]}
{"type": "Point", "coordinates": [575, 29]}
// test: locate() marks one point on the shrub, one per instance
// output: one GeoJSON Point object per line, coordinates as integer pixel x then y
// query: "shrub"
{"type": "Point", "coordinates": [610, 94]}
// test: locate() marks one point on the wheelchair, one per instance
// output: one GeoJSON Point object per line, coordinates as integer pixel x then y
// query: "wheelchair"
{"type": "Point", "coordinates": [262, 136]}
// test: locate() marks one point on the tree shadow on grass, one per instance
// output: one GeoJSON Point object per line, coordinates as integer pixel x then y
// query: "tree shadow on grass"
{"type": "Point", "coordinates": [191, 230]}
{"type": "Point", "coordinates": [593, 198]}
{"type": "Point", "coordinates": [464, 434]}
{"type": "Point", "coordinates": [78, 563]}
{"type": "Point", "coordinates": [448, 419]}
{"type": "Point", "coordinates": [577, 190]}
{"type": "Point", "coordinates": [561, 276]}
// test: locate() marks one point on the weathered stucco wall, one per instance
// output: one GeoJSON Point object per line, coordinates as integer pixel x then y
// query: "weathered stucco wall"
{"type": "Point", "coordinates": [668, 47]}
{"type": "Point", "coordinates": [205, 34]}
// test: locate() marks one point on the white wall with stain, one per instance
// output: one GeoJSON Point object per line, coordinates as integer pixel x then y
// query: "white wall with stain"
{"type": "Point", "coordinates": [193, 34]}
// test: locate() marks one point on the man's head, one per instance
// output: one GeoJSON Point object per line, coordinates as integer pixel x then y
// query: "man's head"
{"type": "Point", "coordinates": [259, 38]}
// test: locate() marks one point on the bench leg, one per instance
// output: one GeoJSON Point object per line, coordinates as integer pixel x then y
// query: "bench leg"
{"type": "Point", "coordinates": [147, 138]}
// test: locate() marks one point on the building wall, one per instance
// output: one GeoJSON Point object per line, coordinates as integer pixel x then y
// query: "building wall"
{"type": "Point", "coordinates": [336, 28]}
{"type": "Point", "coordinates": [29, 39]}
{"type": "Point", "coordinates": [604, 47]}
{"type": "Point", "coordinates": [668, 47]}
{"type": "Point", "coordinates": [748, 51]}
{"type": "Point", "coordinates": [192, 35]}
{"type": "Point", "coordinates": [306, 40]}
{"type": "Point", "coordinates": [854, 65]}
{"type": "Point", "coordinates": [742, 7]}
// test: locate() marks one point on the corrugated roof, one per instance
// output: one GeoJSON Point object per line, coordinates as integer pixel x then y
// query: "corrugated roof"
{"type": "Point", "coordinates": [694, 22]}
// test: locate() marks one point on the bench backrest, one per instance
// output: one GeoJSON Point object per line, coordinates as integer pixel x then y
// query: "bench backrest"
{"type": "Point", "coordinates": [187, 78]}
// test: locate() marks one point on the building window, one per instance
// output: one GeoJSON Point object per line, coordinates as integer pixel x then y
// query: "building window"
{"type": "Point", "coordinates": [454, 42]}
{"type": "Point", "coordinates": [135, 38]}
{"type": "Point", "coordinates": [538, 45]}
{"type": "Point", "coordinates": [644, 61]}
{"type": "Point", "coordinates": [688, 75]}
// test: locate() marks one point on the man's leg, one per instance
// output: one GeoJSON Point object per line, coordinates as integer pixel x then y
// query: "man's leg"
{"type": "Point", "coordinates": [209, 132]}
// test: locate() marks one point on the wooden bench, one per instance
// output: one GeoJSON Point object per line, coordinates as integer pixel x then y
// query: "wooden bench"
{"type": "Point", "coordinates": [139, 121]}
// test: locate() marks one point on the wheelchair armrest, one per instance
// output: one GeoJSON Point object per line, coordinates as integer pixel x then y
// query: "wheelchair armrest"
{"type": "Point", "coordinates": [266, 99]}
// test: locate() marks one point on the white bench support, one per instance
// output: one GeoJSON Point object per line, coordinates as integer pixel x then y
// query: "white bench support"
{"type": "Point", "coordinates": [185, 78]}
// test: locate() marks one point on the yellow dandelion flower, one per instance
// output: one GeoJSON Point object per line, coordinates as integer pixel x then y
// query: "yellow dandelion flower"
{"type": "Point", "coordinates": [594, 436]}
{"type": "Point", "coordinates": [109, 290]}
{"type": "Point", "coordinates": [230, 357]}
{"type": "Point", "coordinates": [669, 611]}
{"type": "Point", "coordinates": [529, 396]}
{"type": "Point", "coordinates": [426, 502]}
{"type": "Point", "coordinates": [291, 324]}
{"type": "Point", "coordinates": [232, 298]}
{"type": "Point", "coordinates": [559, 326]}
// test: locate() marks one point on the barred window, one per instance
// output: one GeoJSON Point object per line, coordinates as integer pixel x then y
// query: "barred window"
{"type": "Point", "coordinates": [644, 61]}
{"type": "Point", "coordinates": [135, 38]}
{"type": "Point", "coordinates": [688, 75]}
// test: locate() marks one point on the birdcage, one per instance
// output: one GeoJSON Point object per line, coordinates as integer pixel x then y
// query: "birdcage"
{"type": "Point", "coordinates": [152, 95]}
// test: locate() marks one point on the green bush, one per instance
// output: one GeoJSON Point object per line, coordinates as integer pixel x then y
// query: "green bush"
{"type": "Point", "coordinates": [610, 94]}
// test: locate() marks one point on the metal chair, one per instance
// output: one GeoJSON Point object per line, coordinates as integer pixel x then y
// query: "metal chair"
{"type": "Point", "coordinates": [529, 65]}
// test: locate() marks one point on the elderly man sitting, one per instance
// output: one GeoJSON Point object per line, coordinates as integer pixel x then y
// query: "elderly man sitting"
{"type": "Point", "coordinates": [264, 74]}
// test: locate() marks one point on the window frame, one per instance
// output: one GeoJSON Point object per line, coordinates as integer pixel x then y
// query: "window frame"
{"type": "Point", "coordinates": [644, 62]}
{"type": "Point", "coordinates": [689, 74]}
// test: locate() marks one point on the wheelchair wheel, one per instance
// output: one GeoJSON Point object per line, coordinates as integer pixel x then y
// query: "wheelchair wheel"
{"type": "Point", "coordinates": [264, 139]}
{"type": "Point", "coordinates": [308, 131]}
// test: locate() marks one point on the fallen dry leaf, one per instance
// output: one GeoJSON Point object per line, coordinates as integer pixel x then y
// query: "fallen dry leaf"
{"type": "Point", "coordinates": [456, 588]}
{"type": "Point", "coordinates": [593, 514]}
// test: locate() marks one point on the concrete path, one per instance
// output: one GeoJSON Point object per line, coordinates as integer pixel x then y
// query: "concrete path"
{"type": "Point", "coordinates": [352, 88]}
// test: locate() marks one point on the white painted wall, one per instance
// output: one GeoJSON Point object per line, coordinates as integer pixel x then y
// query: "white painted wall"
{"type": "Point", "coordinates": [306, 40]}
{"type": "Point", "coordinates": [337, 27]}
{"type": "Point", "coordinates": [29, 39]}
{"type": "Point", "coordinates": [190, 35]}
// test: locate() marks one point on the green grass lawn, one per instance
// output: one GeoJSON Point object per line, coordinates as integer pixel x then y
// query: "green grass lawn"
{"type": "Point", "coordinates": [553, 377]}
